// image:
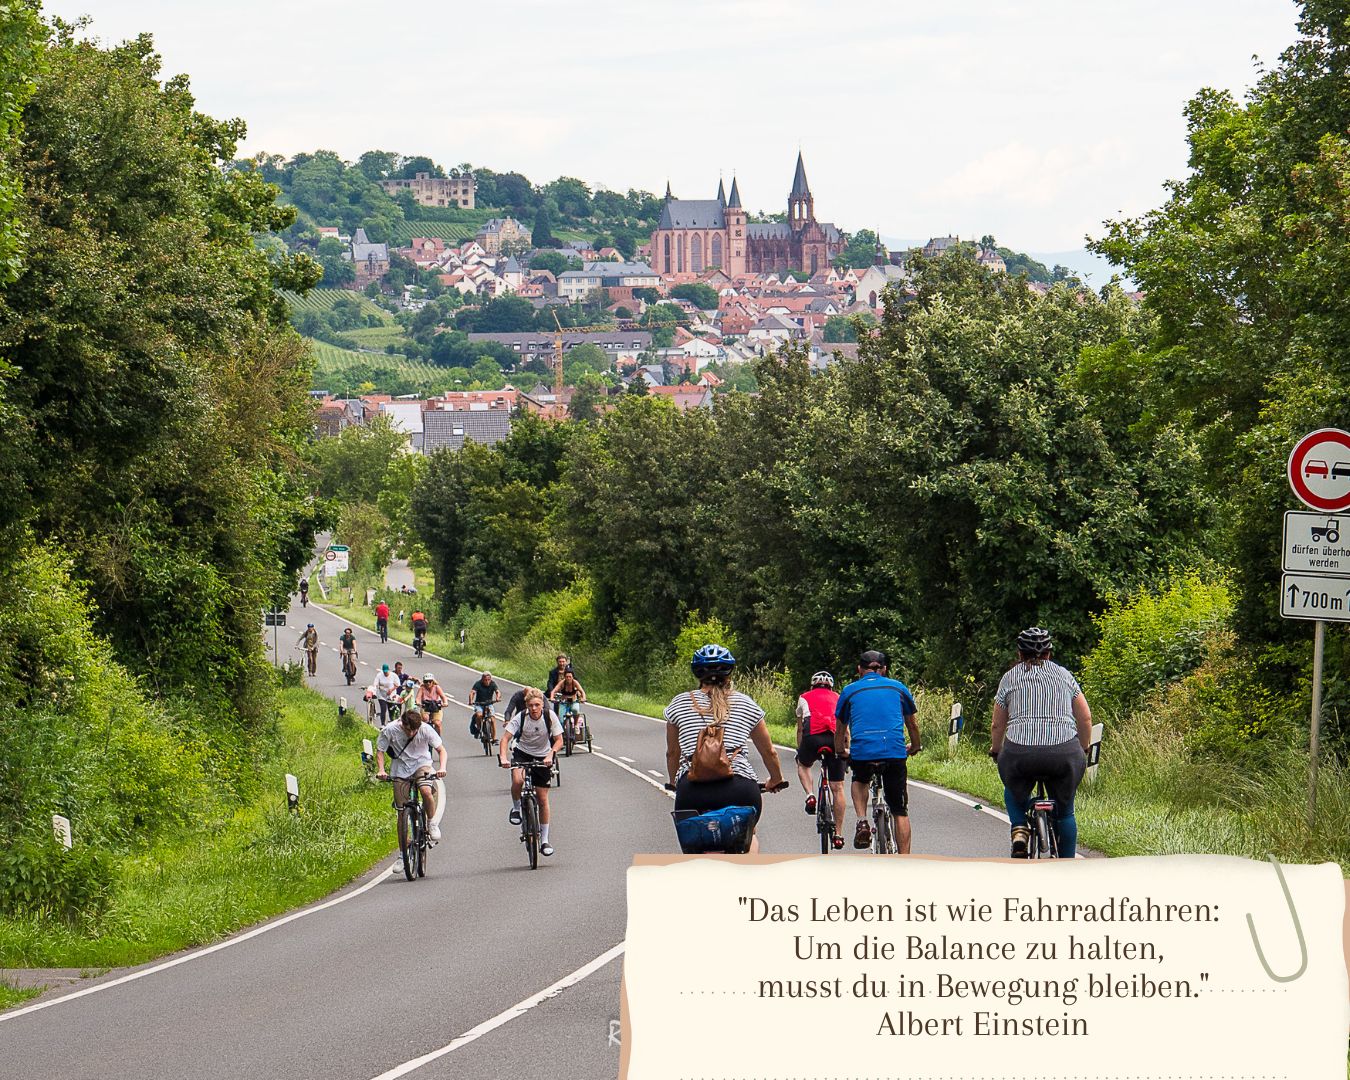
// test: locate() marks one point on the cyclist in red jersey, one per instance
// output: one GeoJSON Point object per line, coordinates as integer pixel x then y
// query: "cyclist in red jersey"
{"type": "Point", "coordinates": [815, 729]}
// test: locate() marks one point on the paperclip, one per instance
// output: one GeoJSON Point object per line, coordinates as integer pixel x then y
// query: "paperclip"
{"type": "Point", "coordinates": [1298, 929]}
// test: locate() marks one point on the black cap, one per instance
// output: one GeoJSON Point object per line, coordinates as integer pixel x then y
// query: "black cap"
{"type": "Point", "coordinates": [874, 657]}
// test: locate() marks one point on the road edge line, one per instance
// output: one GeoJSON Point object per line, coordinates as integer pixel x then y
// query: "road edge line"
{"type": "Point", "coordinates": [505, 1016]}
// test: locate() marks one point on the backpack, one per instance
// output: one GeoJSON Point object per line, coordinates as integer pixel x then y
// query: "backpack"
{"type": "Point", "coordinates": [710, 760]}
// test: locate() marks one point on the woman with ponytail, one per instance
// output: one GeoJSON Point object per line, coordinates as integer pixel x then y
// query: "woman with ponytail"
{"type": "Point", "coordinates": [741, 723]}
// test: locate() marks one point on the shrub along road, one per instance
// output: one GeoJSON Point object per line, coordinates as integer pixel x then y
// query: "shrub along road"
{"type": "Point", "coordinates": [389, 971]}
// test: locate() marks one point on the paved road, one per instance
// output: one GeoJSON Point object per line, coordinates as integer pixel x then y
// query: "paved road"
{"type": "Point", "coordinates": [393, 970]}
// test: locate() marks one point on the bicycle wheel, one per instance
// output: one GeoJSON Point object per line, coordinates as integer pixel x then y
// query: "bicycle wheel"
{"type": "Point", "coordinates": [568, 738]}
{"type": "Point", "coordinates": [420, 830]}
{"type": "Point", "coordinates": [824, 817]}
{"type": "Point", "coordinates": [586, 726]}
{"type": "Point", "coordinates": [1038, 842]}
{"type": "Point", "coordinates": [529, 825]}
{"type": "Point", "coordinates": [405, 849]}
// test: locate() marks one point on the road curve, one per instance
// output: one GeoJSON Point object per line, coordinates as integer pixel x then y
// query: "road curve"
{"type": "Point", "coordinates": [484, 969]}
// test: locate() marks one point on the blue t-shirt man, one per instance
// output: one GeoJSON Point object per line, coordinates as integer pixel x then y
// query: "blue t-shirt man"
{"type": "Point", "coordinates": [875, 709]}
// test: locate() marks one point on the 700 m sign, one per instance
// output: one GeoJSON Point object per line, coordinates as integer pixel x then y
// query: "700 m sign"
{"type": "Point", "coordinates": [1315, 596]}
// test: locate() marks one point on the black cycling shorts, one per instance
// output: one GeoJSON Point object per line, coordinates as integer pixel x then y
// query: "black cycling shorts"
{"type": "Point", "coordinates": [894, 782]}
{"type": "Point", "coordinates": [542, 775]}
{"type": "Point", "coordinates": [810, 752]}
{"type": "Point", "coordinates": [702, 796]}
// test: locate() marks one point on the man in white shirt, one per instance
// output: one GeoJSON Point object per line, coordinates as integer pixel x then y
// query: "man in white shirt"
{"type": "Point", "coordinates": [387, 686]}
{"type": "Point", "coordinates": [410, 744]}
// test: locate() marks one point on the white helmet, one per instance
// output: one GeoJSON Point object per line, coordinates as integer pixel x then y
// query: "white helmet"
{"type": "Point", "coordinates": [822, 678]}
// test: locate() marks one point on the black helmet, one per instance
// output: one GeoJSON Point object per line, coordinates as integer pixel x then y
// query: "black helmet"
{"type": "Point", "coordinates": [1034, 641]}
{"type": "Point", "coordinates": [874, 658]}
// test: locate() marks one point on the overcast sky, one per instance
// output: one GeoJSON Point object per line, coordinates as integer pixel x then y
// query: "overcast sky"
{"type": "Point", "coordinates": [1029, 119]}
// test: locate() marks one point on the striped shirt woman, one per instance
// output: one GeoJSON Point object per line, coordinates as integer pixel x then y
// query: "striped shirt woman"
{"type": "Point", "coordinates": [743, 716]}
{"type": "Point", "coordinates": [1039, 699]}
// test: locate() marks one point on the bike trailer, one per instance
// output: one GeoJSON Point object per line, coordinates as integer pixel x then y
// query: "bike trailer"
{"type": "Point", "coordinates": [727, 830]}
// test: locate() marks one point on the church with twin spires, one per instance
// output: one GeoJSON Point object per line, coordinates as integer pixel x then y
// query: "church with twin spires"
{"type": "Point", "coordinates": [695, 235]}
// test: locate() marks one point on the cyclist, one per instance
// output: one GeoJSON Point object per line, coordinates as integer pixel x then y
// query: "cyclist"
{"type": "Point", "coordinates": [304, 592]}
{"type": "Point", "coordinates": [310, 641]}
{"type": "Point", "coordinates": [431, 700]}
{"type": "Point", "coordinates": [874, 712]}
{"type": "Point", "coordinates": [382, 620]}
{"type": "Point", "coordinates": [715, 701]}
{"type": "Point", "coordinates": [567, 695]}
{"type": "Point", "coordinates": [538, 737]}
{"type": "Point", "coordinates": [419, 629]}
{"type": "Point", "coordinates": [482, 695]}
{"type": "Point", "coordinates": [347, 647]}
{"type": "Point", "coordinates": [386, 692]}
{"type": "Point", "coordinates": [516, 704]}
{"type": "Point", "coordinates": [410, 744]}
{"type": "Point", "coordinates": [557, 673]}
{"type": "Point", "coordinates": [815, 731]}
{"type": "Point", "coordinates": [1041, 730]}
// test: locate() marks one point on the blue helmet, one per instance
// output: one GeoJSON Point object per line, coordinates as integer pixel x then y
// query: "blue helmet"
{"type": "Point", "coordinates": [712, 660]}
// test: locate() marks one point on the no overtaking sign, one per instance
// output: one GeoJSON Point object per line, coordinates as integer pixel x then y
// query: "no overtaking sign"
{"type": "Point", "coordinates": [1319, 470]}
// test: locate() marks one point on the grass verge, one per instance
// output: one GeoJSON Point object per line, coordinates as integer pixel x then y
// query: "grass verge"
{"type": "Point", "coordinates": [13, 995]}
{"type": "Point", "coordinates": [1150, 796]}
{"type": "Point", "coordinates": [241, 865]}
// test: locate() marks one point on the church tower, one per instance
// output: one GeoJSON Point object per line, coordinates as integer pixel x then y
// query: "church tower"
{"type": "Point", "coordinates": [801, 206]}
{"type": "Point", "coordinates": [735, 217]}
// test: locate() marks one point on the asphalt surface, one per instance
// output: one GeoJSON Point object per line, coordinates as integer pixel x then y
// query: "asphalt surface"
{"type": "Point", "coordinates": [395, 970]}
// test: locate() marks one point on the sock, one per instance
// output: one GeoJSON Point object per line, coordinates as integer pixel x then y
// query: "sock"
{"type": "Point", "coordinates": [543, 834]}
{"type": "Point", "coordinates": [515, 804]}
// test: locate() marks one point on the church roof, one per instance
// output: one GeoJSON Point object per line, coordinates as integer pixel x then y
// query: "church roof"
{"type": "Point", "coordinates": [721, 192]}
{"type": "Point", "coordinates": [692, 214]}
{"type": "Point", "coordinates": [800, 188]}
{"type": "Point", "coordinates": [768, 230]}
{"type": "Point", "coordinates": [735, 202]}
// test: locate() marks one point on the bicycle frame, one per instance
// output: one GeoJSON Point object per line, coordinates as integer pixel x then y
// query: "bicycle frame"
{"type": "Point", "coordinates": [1042, 840]}
{"type": "Point", "coordinates": [414, 837]}
{"type": "Point", "coordinates": [883, 830]}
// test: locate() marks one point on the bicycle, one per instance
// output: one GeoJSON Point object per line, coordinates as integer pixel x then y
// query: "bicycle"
{"type": "Point", "coordinates": [728, 831]}
{"type": "Point", "coordinates": [372, 708]}
{"type": "Point", "coordinates": [382, 625]}
{"type": "Point", "coordinates": [487, 730]}
{"type": "Point", "coordinates": [576, 730]}
{"type": "Point", "coordinates": [349, 667]}
{"type": "Point", "coordinates": [419, 645]}
{"type": "Point", "coordinates": [830, 837]}
{"type": "Point", "coordinates": [1042, 842]}
{"type": "Point", "coordinates": [414, 836]}
{"type": "Point", "coordinates": [883, 825]}
{"type": "Point", "coordinates": [529, 812]}
{"type": "Point", "coordinates": [311, 659]}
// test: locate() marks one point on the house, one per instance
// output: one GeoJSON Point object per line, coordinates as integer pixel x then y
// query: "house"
{"type": "Point", "coordinates": [475, 401]}
{"type": "Point", "coordinates": [619, 345]}
{"type": "Point", "coordinates": [370, 261]}
{"type": "Point", "coordinates": [406, 418]}
{"type": "Point", "coordinates": [332, 417]}
{"type": "Point", "coordinates": [774, 328]}
{"type": "Point", "coordinates": [875, 280]}
{"type": "Point", "coordinates": [686, 396]}
{"type": "Point", "coordinates": [446, 430]}
{"type": "Point", "coordinates": [431, 190]}
{"type": "Point", "coordinates": [499, 232]}
{"type": "Point", "coordinates": [577, 284]}
{"type": "Point", "coordinates": [939, 246]}
{"type": "Point", "coordinates": [990, 259]}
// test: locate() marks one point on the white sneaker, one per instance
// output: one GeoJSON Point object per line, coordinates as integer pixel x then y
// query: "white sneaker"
{"type": "Point", "coordinates": [435, 832]}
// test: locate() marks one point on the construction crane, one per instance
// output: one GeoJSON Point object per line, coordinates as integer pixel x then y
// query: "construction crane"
{"type": "Point", "coordinates": [608, 328]}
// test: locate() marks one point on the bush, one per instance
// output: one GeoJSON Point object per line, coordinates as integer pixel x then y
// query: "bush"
{"type": "Point", "coordinates": [567, 619]}
{"type": "Point", "coordinates": [1151, 640]}
{"type": "Point", "coordinates": [40, 877]}
{"type": "Point", "coordinates": [698, 631]}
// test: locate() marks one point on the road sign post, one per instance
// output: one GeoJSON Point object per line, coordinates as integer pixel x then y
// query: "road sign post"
{"type": "Point", "coordinates": [292, 792]}
{"type": "Point", "coordinates": [1318, 588]}
{"type": "Point", "coordinates": [954, 726]}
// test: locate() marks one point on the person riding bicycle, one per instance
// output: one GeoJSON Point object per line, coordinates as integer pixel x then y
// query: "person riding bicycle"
{"type": "Point", "coordinates": [567, 695]}
{"type": "Point", "coordinates": [382, 620]}
{"type": "Point", "coordinates": [873, 713]}
{"type": "Point", "coordinates": [556, 674]}
{"type": "Point", "coordinates": [742, 722]}
{"type": "Point", "coordinates": [516, 704]}
{"type": "Point", "coordinates": [482, 696]}
{"type": "Point", "coordinates": [1041, 730]}
{"type": "Point", "coordinates": [309, 640]}
{"type": "Point", "coordinates": [347, 649]}
{"type": "Point", "coordinates": [387, 688]}
{"type": "Point", "coordinates": [538, 738]}
{"type": "Point", "coordinates": [431, 700]}
{"type": "Point", "coordinates": [410, 743]}
{"type": "Point", "coordinates": [304, 591]}
{"type": "Point", "coordinates": [815, 732]}
{"type": "Point", "coordinates": [419, 629]}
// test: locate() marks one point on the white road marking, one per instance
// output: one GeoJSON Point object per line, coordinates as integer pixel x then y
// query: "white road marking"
{"type": "Point", "coordinates": [376, 880]}
{"type": "Point", "coordinates": [504, 1017]}
{"type": "Point", "coordinates": [661, 787]}
{"type": "Point", "coordinates": [627, 759]}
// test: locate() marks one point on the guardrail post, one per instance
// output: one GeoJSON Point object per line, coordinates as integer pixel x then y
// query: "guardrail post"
{"type": "Point", "coordinates": [954, 726]}
{"type": "Point", "coordinates": [61, 830]}
{"type": "Point", "coordinates": [292, 793]}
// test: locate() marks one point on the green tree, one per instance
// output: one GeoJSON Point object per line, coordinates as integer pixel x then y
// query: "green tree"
{"type": "Point", "coordinates": [703, 297]}
{"type": "Point", "coordinates": [541, 236]}
{"type": "Point", "coordinates": [352, 466]}
{"type": "Point", "coordinates": [860, 250]}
